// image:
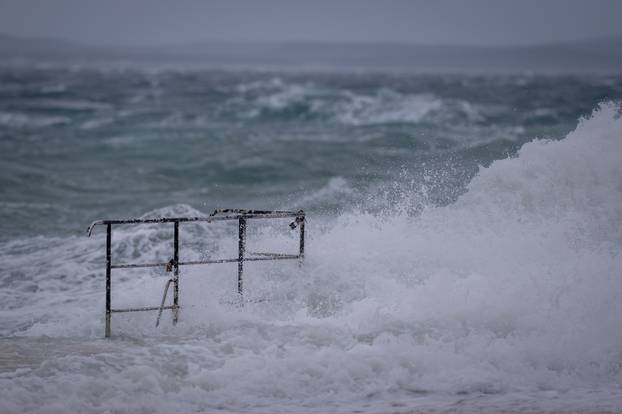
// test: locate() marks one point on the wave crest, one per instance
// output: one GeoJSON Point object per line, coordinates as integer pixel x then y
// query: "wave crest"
{"type": "Point", "coordinates": [277, 98]}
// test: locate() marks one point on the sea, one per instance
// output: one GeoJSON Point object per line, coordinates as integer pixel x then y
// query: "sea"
{"type": "Point", "coordinates": [463, 240]}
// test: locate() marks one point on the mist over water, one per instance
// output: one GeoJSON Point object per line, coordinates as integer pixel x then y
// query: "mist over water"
{"type": "Point", "coordinates": [463, 241]}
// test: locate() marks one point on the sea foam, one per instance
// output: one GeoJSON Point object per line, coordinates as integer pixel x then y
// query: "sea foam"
{"type": "Point", "coordinates": [511, 293]}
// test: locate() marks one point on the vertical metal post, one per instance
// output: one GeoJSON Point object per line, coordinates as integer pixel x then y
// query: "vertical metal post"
{"type": "Point", "coordinates": [176, 277]}
{"type": "Point", "coordinates": [108, 271]}
{"type": "Point", "coordinates": [241, 249]}
{"type": "Point", "coordinates": [301, 254]}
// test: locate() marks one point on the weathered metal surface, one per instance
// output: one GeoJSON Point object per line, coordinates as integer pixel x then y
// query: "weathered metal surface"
{"type": "Point", "coordinates": [241, 249]}
{"type": "Point", "coordinates": [174, 264]}
{"type": "Point", "coordinates": [209, 219]}
{"type": "Point", "coordinates": [176, 276]}
{"type": "Point", "coordinates": [142, 309]}
{"type": "Point", "coordinates": [108, 277]}
{"type": "Point", "coordinates": [168, 283]}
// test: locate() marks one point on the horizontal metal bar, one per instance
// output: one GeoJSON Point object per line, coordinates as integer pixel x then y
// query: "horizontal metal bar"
{"type": "Point", "coordinates": [270, 256]}
{"type": "Point", "coordinates": [137, 265]}
{"type": "Point", "coordinates": [246, 259]}
{"type": "Point", "coordinates": [149, 308]}
{"type": "Point", "coordinates": [280, 214]}
{"type": "Point", "coordinates": [259, 259]}
{"type": "Point", "coordinates": [214, 261]}
{"type": "Point", "coordinates": [242, 211]}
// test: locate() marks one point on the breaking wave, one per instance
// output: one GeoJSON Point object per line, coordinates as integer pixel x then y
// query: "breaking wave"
{"type": "Point", "coordinates": [515, 287]}
{"type": "Point", "coordinates": [276, 98]}
{"type": "Point", "coordinates": [21, 120]}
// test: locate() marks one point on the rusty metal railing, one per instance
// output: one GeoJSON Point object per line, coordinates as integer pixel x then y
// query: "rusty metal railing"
{"type": "Point", "coordinates": [174, 264]}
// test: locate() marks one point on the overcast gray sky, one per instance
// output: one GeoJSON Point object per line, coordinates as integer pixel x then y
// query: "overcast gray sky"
{"type": "Point", "coordinates": [472, 22]}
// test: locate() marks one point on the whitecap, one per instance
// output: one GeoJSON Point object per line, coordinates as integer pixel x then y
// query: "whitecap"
{"type": "Point", "coordinates": [22, 120]}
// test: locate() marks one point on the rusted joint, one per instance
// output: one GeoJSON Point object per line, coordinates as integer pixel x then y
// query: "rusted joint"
{"type": "Point", "coordinates": [297, 221]}
{"type": "Point", "coordinates": [169, 266]}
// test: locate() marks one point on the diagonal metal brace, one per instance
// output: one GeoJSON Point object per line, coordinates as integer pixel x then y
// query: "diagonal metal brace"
{"type": "Point", "coordinates": [168, 283]}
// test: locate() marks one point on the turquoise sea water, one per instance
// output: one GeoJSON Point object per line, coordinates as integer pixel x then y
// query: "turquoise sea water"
{"type": "Point", "coordinates": [81, 144]}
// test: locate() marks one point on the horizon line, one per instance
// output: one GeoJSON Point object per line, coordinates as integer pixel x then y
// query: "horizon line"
{"type": "Point", "coordinates": [577, 41]}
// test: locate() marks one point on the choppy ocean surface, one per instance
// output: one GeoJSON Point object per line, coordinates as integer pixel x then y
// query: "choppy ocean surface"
{"type": "Point", "coordinates": [463, 252]}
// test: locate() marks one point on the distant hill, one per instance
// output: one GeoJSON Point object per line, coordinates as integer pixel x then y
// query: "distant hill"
{"type": "Point", "coordinates": [12, 45]}
{"type": "Point", "coordinates": [603, 55]}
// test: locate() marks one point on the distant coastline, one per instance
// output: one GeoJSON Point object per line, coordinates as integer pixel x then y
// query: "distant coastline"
{"type": "Point", "coordinates": [592, 55]}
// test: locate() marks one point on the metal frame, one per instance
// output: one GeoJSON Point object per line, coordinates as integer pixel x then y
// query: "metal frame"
{"type": "Point", "coordinates": [173, 265]}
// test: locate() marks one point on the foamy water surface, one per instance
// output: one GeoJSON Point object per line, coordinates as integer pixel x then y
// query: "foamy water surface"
{"type": "Point", "coordinates": [443, 288]}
